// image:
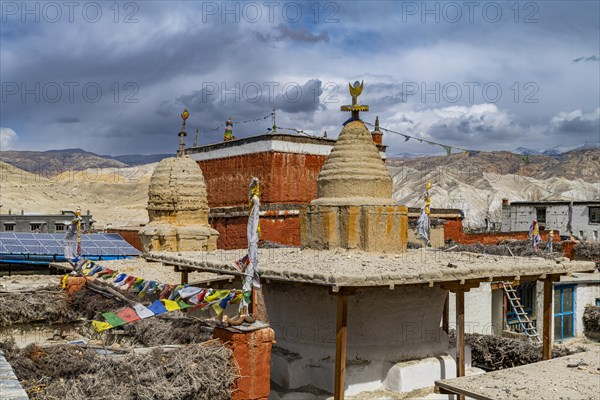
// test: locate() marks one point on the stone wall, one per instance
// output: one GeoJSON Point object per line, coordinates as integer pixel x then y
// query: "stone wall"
{"type": "Point", "coordinates": [518, 218]}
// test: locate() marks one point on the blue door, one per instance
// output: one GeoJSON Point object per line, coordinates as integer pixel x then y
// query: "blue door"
{"type": "Point", "coordinates": [564, 312]}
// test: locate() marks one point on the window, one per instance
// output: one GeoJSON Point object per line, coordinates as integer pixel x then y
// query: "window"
{"type": "Point", "coordinates": [9, 227]}
{"type": "Point", "coordinates": [59, 227]}
{"type": "Point", "coordinates": [564, 312]}
{"type": "Point", "coordinates": [594, 215]}
{"type": "Point", "coordinates": [35, 227]}
{"type": "Point", "coordinates": [540, 214]}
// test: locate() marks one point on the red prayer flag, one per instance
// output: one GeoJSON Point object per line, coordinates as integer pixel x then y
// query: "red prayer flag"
{"type": "Point", "coordinates": [128, 315]}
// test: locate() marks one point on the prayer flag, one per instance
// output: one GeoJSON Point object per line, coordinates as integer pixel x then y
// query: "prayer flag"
{"type": "Point", "coordinates": [142, 311]}
{"type": "Point", "coordinates": [170, 305]}
{"type": "Point", "coordinates": [218, 309]}
{"type": "Point", "coordinates": [447, 148]}
{"type": "Point", "coordinates": [212, 297]}
{"type": "Point", "coordinates": [236, 299]}
{"type": "Point", "coordinates": [183, 305]}
{"type": "Point", "coordinates": [100, 326]}
{"type": "Point", "coordinates": [113, 319]}
{"type": "Point", "coordinates": [128, 315]}
{"type": "Point", "coordinates": [175, 292]}
{"type": "Point", "coordinates": [189, 291]}
{"type": "Point", "coordinates": [165, 292]}
{"type": "Point", "coordinates": [157, 307]}
{"type": "Point", "coordinates": [223, 303]}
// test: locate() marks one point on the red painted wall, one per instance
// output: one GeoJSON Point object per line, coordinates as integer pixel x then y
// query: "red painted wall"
{"type": "Point", "coordinates": [232, 231]}
{"type": "Point", "coordinates": [285, 178]}
{"type": "Point", "coordinates": [453, 230]}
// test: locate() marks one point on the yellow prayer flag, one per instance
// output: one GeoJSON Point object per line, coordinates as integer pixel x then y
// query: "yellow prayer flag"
{"type": "Point", "coordinates": [63, 281]}
{"type": "Point", "coordinates": [100, 326]}
{"type": "Point", "coordinates": [212, 297]}
{"type": "Point", "coordinates": [236, 299]}
{"type": "Point", "coordinates": [170, 305]}
{"type": "Point", "coordinates": [218, 309]}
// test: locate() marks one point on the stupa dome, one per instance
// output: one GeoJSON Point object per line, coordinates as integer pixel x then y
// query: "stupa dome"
{"type": "Point", "coordinates": [178, 209]}
{"type": "Point", "coordinates": [177, 192]}
{"type": "Point", "coordinates": [354, 172]}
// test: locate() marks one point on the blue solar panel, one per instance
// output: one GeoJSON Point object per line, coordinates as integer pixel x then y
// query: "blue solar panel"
{"type": "Point", "coordinates": [112, 236]}
{"type": "Point", "coordinates": [21, 235]}
{"type": "Point", "coordinates": [110, 244]}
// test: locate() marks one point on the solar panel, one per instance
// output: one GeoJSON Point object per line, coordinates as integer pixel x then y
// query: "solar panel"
{"type": "Point", "coordinates": [21, 235]}
{"type": "Point", "coordinates": [93, 244]}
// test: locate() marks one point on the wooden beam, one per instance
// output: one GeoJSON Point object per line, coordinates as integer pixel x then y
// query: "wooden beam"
{"type": "Point", "coordinates": [548, 320]}
{"type": "Point", "coordinates": [460, 336]}
{"type": "Point", "coordinates": [446, 314]}
{"type": "Point", "coordinates": [340, 346]}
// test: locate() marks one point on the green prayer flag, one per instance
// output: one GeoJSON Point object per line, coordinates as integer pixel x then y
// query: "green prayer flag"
{"type": "Point", "coordinates": [447, 148]}
{"type": "Point", "coordinates": [183, 304]}
{"type": "Point", "coordinates": [113, 319]}
{"type": "Point", "coordinates": [524, 157]}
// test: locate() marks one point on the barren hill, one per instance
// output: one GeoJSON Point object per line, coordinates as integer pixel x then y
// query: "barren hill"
{"type": "Point", "coordinates": [113, 195]}
{"type": "Point", "coordinates": [476, 184]}
{"type": "Point", "coordinates": [53, 162]}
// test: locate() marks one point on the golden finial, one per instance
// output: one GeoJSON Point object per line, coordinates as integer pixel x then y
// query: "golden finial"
{"type": "Point", "coordinates": [184, 115]}
{"type": "Point", "coordinates": [355, 91]}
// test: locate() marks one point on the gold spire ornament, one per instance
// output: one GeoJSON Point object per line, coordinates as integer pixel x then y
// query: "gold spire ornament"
{"type": "Point", "coordinates": [184, 116]}
{"type": "Point", "coordinates": [355, 108]}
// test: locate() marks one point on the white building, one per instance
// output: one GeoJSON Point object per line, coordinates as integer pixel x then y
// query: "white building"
{"type": "Point", "coordinates": [490, 313]}
{"type": "Point", "coordinates": [579, 218]}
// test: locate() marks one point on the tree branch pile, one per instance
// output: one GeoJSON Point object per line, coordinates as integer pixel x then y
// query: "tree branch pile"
{"type": "Point", "coordinates": [493, 353]}
{"type": "Point", "coordinates": [198, 371]}
{"type": "Point", "coordinates": [591, 322]}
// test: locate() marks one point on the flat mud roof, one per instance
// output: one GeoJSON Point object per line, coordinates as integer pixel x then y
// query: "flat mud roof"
{"type": "Point", "coordinates": [571, 377]}
{"type": "Point", "coordinates": [343, 268]}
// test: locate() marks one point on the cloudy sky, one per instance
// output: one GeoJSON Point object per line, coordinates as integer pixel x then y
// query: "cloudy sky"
{"type": "Point", "coordinates": [112, 78]}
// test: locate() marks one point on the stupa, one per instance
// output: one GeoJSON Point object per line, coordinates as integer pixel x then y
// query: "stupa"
{"type": "Point", "coordinates": [354, 208]}
{"type": "Point", "coordinates": [177, 206]}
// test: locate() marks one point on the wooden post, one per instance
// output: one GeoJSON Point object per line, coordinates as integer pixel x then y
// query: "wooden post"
{"type": "Point", "coordinates": [548, 320]}
{"type": "Point", "coordinates": [340, 346]}
{"type": "Point", "coordinates": [184, 276]}
{"type": "Point", "coordinates": [446, 314]}
{"type": "Point", "coordinates": [460, 335]}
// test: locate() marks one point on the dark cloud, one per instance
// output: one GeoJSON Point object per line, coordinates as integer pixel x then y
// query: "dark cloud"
{"type": "Point", "coordinates": [170, 56]}
{"type": "Point", "coordinates": [586, 59]}
{"type": "Point", "coordinates": [68, 120]}
{"type": "Point", "coordinates": [577, 122]}
{"type": "Point", "coordinates": [284, 32]}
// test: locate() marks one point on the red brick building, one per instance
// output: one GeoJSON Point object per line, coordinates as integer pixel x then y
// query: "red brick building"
{"type": "Point", "coordinates": [287, 166]}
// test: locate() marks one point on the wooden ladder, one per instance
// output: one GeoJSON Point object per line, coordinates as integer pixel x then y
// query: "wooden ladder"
{"type": "Point", "coordinates": [522, 316]}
